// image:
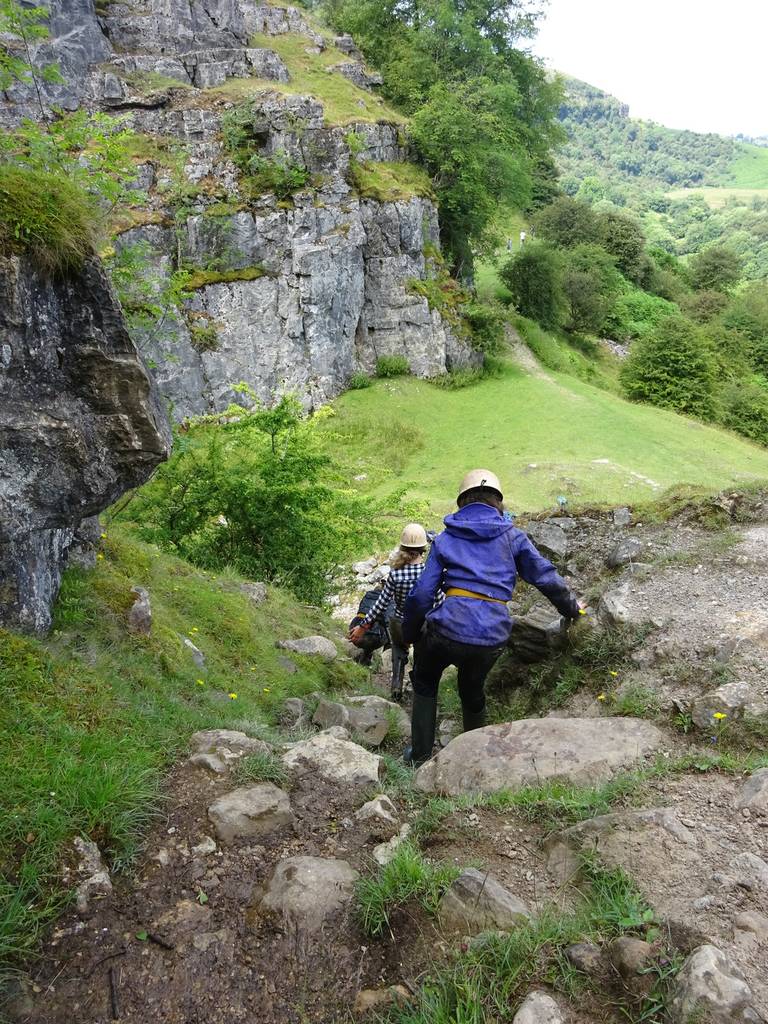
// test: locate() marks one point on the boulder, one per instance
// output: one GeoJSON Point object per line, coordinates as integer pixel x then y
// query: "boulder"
{"type": "Point", "coordinates": [255, 592]}
{"type": "Point", "coordinates": [754, 792]}
{"type": "Point", "coordinates": [329, 713]}
{"type": "Point", "coordinates": [250, 811]}
{"type": "Point", "coordinates": [304, 892]}
{"type": "Point", "coordinates": [336, 759]}
{"type": "Point", "coordinates": [728, 700]}
{"type": "Point", "coordinates": [369, 718]}
{"type": "Point", "coordinates": [477, 903]}
{"type": "Point", "coordinates": [552, 541]}
{"type": "Point", "coordinates": [317, 646]}
{"type": "Point", "coordinates": [538, 1008]}
{"type": "Point", "coordinates": [226, 744]}
{"type": "Point", "coordinates": [379, 814]}
{"type": "Point", "coordinates": [627, 550]}
{"type": "Point", "coordinates": [540, 634]}
{"type": "Point", "coordinates": [516, 754]}
{"type": "Point", "coordinates": [140, 612]}
{"type": "Point", "coordinates": [710, 984]}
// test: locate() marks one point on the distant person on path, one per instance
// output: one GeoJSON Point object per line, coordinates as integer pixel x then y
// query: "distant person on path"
{"type": "Point", "coordinates": [407, 567]}
{"type": "Point", "coordinates": [475, 562]}
{"type": "Point", "coordinates": [522, 239]}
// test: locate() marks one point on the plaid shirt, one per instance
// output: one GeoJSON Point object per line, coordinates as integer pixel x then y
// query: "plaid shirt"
{"type": "Point", "coordinates": [398, 586]}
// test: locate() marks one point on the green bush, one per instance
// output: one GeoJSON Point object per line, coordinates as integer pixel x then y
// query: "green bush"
{"type": "Point", "coordinates": [359, 381]}
{"type": "Point", "coordinates": [392, 366]}
{"type": "Point", "coordinates": [673, 368]}
{"type": "Point", "coordinates": [47, 216]}
{"type": "Point", "coordinates": [745, 409]}
{"type": "Point", "coordinates": [533, 278]}
{"type": "Point", "coordinates": [277, 174]}
{"type": "Point", "coordinates": [486, 326]}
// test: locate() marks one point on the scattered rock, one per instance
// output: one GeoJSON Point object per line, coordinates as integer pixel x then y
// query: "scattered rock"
{"type": "Point", "coordinates": [585, 957]}
{"type": "Point", "coordinates": [380, 814]}
{"type": "Point", "coordinates": [294, 714]}
{"type": "Point", "coordinates": [140, 612]}
{"type": "Point", "coordinates": [539, 635]}
{"type": "Point", "coordinates": [629, 956]}
{"type": "Point", "coordinates": [329, 713]}
{"type": "Point", "coordinates": [754, 792]}
{"type": "Point", "coordinates": [448, 729]}
{"type": "Point", "coordinates": [210, 762]}
{"type": "Point", "coordinates": [581, 750]}
{"type": "Point", "coordinates": [551, 540]}
{"type": "Point", "coordinates": [226, 744]}
{"type": "Point", "coordinates": [612, 609]}
{"type": "Point", "coordinates": [204, 847]}
{"type": "Point", "coordinates": [304, 892]}
{"type": "Point", "coordinates": [336, 759]}
{"type": "Point", "coordinates": [384, 852]}
{"type": "Point", "coordinates": [337, 731]}
{"type": "Point", "coordinates": [755, 925]}
{"type": "Point", "coordinates": [250, 811]}
{"type": "Point", "coordinates": [94, 877]}
{"type": "Point", "coordinates": [477, 903]}
{"type": "Point", "coordinates": [363, 568]}
{"type": "Point", "coordinates": [622, 516]}
{"type": "Point", "coordinates": [368, 718]}
{"type": "Point", "coordinates": [255, 592]}
{"type": "Point", "coordinates": [288, 666]}
{"type": "Point", "coordinates": [319, 646]}
{"type": "Point", "coordinates": [379, 998]}
{"type": "Point", "coordinates": [197, 655]}
{"type": "Point", "coordinates": [708, 982]}
{"type": "Point", "coordinates": [750, 871]}
{"type": "Point", "coordinates": [538, 1008]}
{"type": "Point", "coordinates": [728, 700]}
{"type": "Point", "coordinates": [625, 551]}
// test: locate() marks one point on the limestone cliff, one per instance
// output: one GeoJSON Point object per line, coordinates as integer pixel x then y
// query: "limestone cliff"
{"type": "Point", "coordinates": [80, 422]}
{"type": "Point", "coordinates": [287, 291]}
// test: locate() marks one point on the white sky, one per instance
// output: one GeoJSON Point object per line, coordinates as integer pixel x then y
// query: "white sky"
{"type": "Point", "coordinates": [685, 63]}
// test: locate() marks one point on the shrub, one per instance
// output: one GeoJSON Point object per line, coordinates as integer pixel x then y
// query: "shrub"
{"type": "Point", "coordinates": [672, 368]}
{"type": "Point", "coordinates": [392, 366]}
{"type": "Point", "coordinates": [745, 410]}
{"type": "Point", "coordinates": [277, 174]}
{"type": "Point", "coordinates": [204, 337]}
{"type": "Point", "coordinates": [47, 216]}
{"type": "Point", "coordinates": [533, 278]}
{"type": "Point", "coordinates": [359, 381]}
{"type": "Point", "coordinates": [486, 326]}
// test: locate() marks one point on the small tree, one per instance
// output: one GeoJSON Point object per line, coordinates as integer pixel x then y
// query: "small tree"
{"type": "Point", "coordinates": [589, 283]}
{"type": "Point", "coordinates": [533, 277]}
{"type": "Point", "coordinates": [673, 368]}
{"type": "Point", "coordinates": [567, 222]}
{"type": "Point", "coordinates": [623, 238]}
{"type": "Point", "coordinates": [717, 268]}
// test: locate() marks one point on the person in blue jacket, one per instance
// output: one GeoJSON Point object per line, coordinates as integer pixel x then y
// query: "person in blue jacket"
{"type": "Point", "coordinates": [475, 562]}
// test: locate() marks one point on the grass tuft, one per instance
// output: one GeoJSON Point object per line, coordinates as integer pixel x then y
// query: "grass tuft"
{"type": "Point", "coordinates": [261, 767]}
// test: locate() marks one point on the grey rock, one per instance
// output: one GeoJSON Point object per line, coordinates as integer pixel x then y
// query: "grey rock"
{"type": "Point", "coordinates": [515, 754]}
{"type": "Point", "coordinates": [318, 646]}
{"type": "Point", "coordinates": [622, 516]}
{"type": "Point", "coordinates": [585, 957]}
{"type": "Point", "coordinates": [755, 925]}
{"type": "Point", "coordinates": [250, 811]}
{"type": "Point", "coordinates": [729, 700]}
{"type": "Point", "coordinates": [329, 713]}
{"type": "Point", "coordinates": [210, 762]}
{"type": "Point", "coordinates": [205, 847]}
{"type": "Point", "coordinates": [140, 612]}
{"type": "Point", "coordinates": [629, 955]}
{"type": "Point", "coordinates": [750, 871]}
{"type": "Point", "coordinates": [551, 540]}
{"type": "Point", "coordinates": [613, 609]}
{"type": "Point", "coordinates": [196, 654]}
{"type": "Point", "coordinates": [384, 852]}
{"type": "Point", "coordinates": [305, 892]}
{"type": "Point", "coordinates": [754, 792]}
{"type": "Point", "coordinates": [476, 902]}
{"type": "Point", "coordinates": [379, 814]}
{"type": "Point", "coordinates": [227, 743]}
{"type": "Point", "coordinates": [538, 635]}
{"type": "Point", "coordinates": [358, 74]}
{"type": "Point", "coordinates": [80, 423]}
{"type": "Point", "coordinates": [255, 592]}
{"type": "Point", "coordinates": [294, 714]}
{"type": "Point", "coordinates": [335, 759]}
{"type": "Point", "coordinates": [709, 982]}
{"type": "Point", "coordinates": [538, 1008]}
{"type": "Point", "coordinates": [448, 730]}
{"type": "Point", "coordinates": [627, 550]}
{"type": "Point", "coordinates": [368, 718]}
{"type": "Point", "coordinates": [92, 876]}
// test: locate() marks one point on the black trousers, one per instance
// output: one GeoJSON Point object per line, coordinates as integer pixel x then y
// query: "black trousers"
{"type": "Point", "coordinates": [432, 655]}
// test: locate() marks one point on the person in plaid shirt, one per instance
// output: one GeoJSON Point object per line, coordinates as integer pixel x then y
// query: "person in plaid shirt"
{"type": "Point", "coordinates": [407, 567]}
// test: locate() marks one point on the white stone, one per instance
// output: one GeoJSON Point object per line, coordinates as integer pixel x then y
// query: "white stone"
{"type": "Point", "coordinates": [379, 812]}
{"type": "Point", "coordinates": [250, 811]}
{"type": "Point", "coordinates": [337, 759]}
{"type": "Point", "coordinates": [304, 892]}
{"type": "Point", "coordinates": [538, 1008]}
{"type": "Point", "coordinates": [384, 852]}
{"type": "Point", "coordinates": [319, 646]}
{"type": "Point", "coordinates": [476, 902]}
{"type": "Point", "coordinates": [708, 982]}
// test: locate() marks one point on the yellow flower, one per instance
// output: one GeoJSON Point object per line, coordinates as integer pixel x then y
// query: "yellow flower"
{"type": "Point", "coordinates": [601, 696]}
{"type": "Point", "coordinates": [100, 557]}
{"type": "Point", "coordinates": [614, 674]}
{"type": "Point", "coordinates": [719, 715]}
{"type": "Point", "coordinates": [232, 696]}
{"type": "Point", "coordinates": [194, 630]}
{"type": "Point", "coordinates": [582, 611]}
{"type": "Point", "coordinates": [267, 689]}
{"type": "Point", "coordinates": [200, 682]}
{"type": "Point", "coordinates": [103, 536]}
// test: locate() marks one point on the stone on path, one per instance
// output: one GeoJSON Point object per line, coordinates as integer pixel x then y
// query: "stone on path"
{"type": "Point", "coordinates": [93, 875]}
{"type": "Point", "coordinates": [369, 718]}
{"type": "Point", "coordinates": [612, 610]}
{"type": "Point", "coordinates": [629, 955]}
{"type": "Point", "coordinates": [250, 811]}
{"type": "Point", "coordinates": [710, 984]}
{"type": "Point", "coordinates": [516, 754]}
{"type": "Point", "coordinates": [384, 852]}
{"type": "Point", "coordinates": [728, 700]}
{"type": "Point", "coordinates": [622, 516]}
{"type": "Point", "coordinates": [627, 550]}
{"type": "Point", "coordinates": [320, 646]}
{"type": "Point", "coordinates": [551, 540]}
{"type": "Point", "coordinates": [750, 926]}
{"type": "Point", "coordinates": [476, 902]}
{"type": "Point", "coordinates": [304, 892]}
{"type": "Point", "coordinates": [140, 612]}
{"type": "Point", "coordinates": [754, 792]}
{"type": "Point", "coordinates": [538, 1008]}
{"type": "Point", "coordinates": [750, 871]}
{"type": "Point", "coordinates": [339, 760]}
{"type": "Point", "coordinates": [379, 814]}
{"type": "Point", "coordinates": [378, 998]}
{"type": "Point", "coordinates": [214, 749]}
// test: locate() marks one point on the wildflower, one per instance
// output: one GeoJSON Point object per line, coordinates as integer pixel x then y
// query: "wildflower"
{"type": "Point", "coordinates": [614, 674]}
{"type": "Point", "coordinates": [100, 557]}
{"type": "Point", "coordinates": [719, 715]}
{"type": "Point", "coordinates": [582, 611]}
{"type": "Point", "coordinates": [103, 536]}
{"type": "Point", "coordinates": [200, 682]}
{"type": "Point", "coordinates": [601, 696]}
{"type": "Point", "coordinates": [194, 630]}
{"type": "Point", "coordinates": [232, 696]}
{"type": "Point", "coordinates": [267, 689]}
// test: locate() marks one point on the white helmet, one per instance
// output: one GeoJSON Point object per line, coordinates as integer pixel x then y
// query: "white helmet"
{"type": "Point", "coordinates": [480, 478]}
{"type": "Point", "coordinates": [413, 536]}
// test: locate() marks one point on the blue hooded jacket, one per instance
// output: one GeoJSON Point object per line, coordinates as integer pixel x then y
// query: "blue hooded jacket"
{"type": "Point", "coordinates": [480, 551]}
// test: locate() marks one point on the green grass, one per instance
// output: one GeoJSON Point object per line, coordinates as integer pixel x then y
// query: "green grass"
{"type": "Point", "coordinates": [388, 182]}
{"type": "Point", "coordinates": [92, 717]}
{"type": "Point", "coordinates": [750, 168]}
{"type": "Point", "coordinates": [262, 767]}
{"type": "Point", "coordinates": [716, 198]}
{"type": "Point", "coordinates": [544, 438]}
{"type": "Point", "coordinates": [507, 225]}
{"type": "Point", "coordinates": [202, 278]}
{"type": "Point", "coordinates": [311, 75]}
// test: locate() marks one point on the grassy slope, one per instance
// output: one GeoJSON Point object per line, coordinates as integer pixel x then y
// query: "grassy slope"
{"type": "Point", "coordinates": [426, 437]}
{"type": "Point", "coordinates": [92, 716]}
{"type": "Point", "coordinates": [750, 169]}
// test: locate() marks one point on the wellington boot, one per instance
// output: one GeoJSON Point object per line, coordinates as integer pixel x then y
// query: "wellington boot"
{"type": "Point", "coordinates": [474, 719]}
{"type": "Point", "coordinates": [423, 721]}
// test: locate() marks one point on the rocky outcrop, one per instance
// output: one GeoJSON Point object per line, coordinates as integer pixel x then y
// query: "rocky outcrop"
{"type": "Point", "coordinates": [80, 423]}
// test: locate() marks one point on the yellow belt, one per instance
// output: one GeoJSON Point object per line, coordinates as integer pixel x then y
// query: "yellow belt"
{"type": "Point", "coordinates": [460, 592]}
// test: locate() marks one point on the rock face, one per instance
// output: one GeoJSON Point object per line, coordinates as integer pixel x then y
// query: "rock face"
{"type": "Point", "coordinates": [515, 754]}
{"type": "Point", "coordinates": [80, 423]}
{"type": "Point", "coordinates": [477, 903]}
{"type": "Point", "coordinates": [319, 281]}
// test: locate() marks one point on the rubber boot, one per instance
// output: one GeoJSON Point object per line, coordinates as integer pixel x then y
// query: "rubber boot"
{"type": "Point", "coordinates": [423, 721]}
{"type": "Point", "coordinates": [473, 719]}
{"type": "Point", "coordinates": [398, 674]}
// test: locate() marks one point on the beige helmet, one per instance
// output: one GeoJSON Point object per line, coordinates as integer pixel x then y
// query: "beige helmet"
{"type": "Point", "coordinates": [480, 478]}
{"type": "Point", "coordinates": [413, 536]}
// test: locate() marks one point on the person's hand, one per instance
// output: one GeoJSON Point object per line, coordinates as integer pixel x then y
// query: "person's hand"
{"type": "Point", "coordinates": [357, 634]}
